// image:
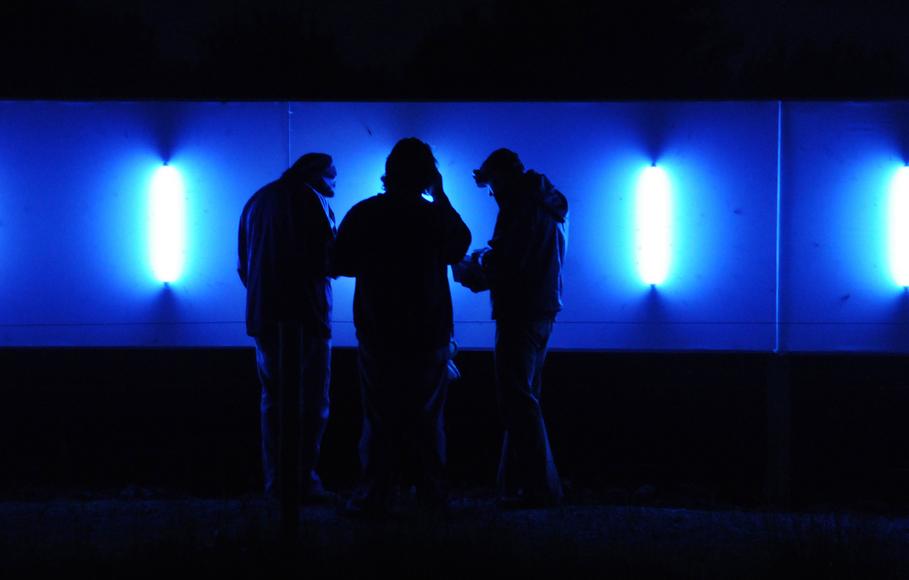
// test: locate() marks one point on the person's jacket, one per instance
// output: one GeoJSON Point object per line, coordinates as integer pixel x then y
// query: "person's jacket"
{"type": "Point", "coordinates": [399, 248]}
{"type": "Point", "coordinates": [524, 263]}
{"type": "Point", "coordinates": [285, 241]}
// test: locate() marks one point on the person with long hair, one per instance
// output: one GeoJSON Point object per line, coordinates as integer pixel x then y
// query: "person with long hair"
{"type": "Point", "coordinates": [398, 245]}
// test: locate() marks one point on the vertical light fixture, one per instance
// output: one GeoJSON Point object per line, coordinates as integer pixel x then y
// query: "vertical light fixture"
{"type": "Point", "coordinates": [899, 226]}
{"type": "Point", "coordinates": [167, 224]}
{"type": "Point", "coordinates": [653, 214]}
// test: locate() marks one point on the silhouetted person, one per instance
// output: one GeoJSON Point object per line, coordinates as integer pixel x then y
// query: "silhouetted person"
{"type": "Point", "coordinates": [398, 245]}
{"type": "Point", "coordinates": [287, 231]}
{"type": "Point", "coordinates": [522, 269]}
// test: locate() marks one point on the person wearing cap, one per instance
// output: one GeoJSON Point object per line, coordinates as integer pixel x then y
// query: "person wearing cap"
{"type": "Point", "coordinates": [398, 245]}
{"type": "Point", "coordinates": [286, 235]}
{"type": "Point", "coordinates": [522, 269]}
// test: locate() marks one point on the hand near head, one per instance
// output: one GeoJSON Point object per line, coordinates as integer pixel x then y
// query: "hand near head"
{"type": "Point", "coordinates": [436, 189]}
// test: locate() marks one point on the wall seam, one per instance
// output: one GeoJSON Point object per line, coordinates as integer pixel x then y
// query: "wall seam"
{"type": "Point", "coordinates": [777, 346]}
{"type": "Point", "coordinates": [289, 135]}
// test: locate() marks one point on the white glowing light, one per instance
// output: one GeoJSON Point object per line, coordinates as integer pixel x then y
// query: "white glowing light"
{"type": "Point", "coordinates": [899, 226]}
{"type": "Point", "coordinates": [653, 219]}
{"type": "Point", "coordinates": [167, 224]}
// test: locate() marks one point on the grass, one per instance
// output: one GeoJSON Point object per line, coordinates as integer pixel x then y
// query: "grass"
{"type": "Point", "coordinates": [238, 538]}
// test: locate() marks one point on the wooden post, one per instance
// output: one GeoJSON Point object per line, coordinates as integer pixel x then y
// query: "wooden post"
{"type": "Point", "coordinates": [289, 431]}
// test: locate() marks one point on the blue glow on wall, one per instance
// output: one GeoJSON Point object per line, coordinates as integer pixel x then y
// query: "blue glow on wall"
{"type": "Point", "coordinates": [899, 226]}
{"type": "Point", "coordinates": [167, 224]}
{"type": "Point", "coordinates": [76, 198]}
{"type": "Point", "coordinates": [84, 273]}
{"type": "Point", "coordinates": [837, 289]}
{"type": "Point", "coordinates": [653, 218]}
{"type": "Point", "coordinates": [720, 158]}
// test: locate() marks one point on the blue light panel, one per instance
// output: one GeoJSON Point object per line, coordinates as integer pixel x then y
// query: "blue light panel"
{"type": "Point", "coordinates": [899, 226]}
{"type": "Point", "coordinates": [653, 225]}
{"type": "Point", "coordinates": [167, 224]}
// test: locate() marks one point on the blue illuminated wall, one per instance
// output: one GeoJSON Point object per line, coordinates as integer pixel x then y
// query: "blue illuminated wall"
{"type": "Point", "coordinates": [838, 290]}
{"type": "Point", "coordinates": [75, 193]}
{"type": "Point", "coordinates": [721, 159]}
{"type": "Point", "coordinates": [74, 215]}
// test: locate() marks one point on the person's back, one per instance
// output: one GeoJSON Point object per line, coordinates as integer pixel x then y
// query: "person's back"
{"type": "Point", "coordinates": [528, 250]}
{"type": "Point", "coordinates": [399, 248]}
{"type": "Point", "coordinates": [284, 243]}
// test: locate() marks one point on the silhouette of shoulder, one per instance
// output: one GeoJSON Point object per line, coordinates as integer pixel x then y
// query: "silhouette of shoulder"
{"type": "Point", "coordinates": [368, 204]}
{"type": "Point", "coordinates": [360, 211]}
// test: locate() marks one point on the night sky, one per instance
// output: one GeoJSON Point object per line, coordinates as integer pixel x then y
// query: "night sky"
{"type": "Point", "coordinates": [454, 49]}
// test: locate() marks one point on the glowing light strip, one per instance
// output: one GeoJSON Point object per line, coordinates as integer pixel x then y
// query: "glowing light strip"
{"type": "Point", "coordinates": [899, 226]}
{"type": "Point", "coordinates": [167, 224]}
{"type": "Point", "coordinates": [653, 219]}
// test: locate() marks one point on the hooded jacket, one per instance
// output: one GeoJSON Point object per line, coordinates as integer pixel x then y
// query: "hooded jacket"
{"type": "Point", "coordinates": [524, 263]}
{"type": "Point", "coordinates": [285, 239]}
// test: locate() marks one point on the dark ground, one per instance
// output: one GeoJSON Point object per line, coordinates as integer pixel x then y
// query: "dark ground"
{"type": "Point", "coordinates": [236, 538]}
{"type": "Point", "coordinates": [144, 462]}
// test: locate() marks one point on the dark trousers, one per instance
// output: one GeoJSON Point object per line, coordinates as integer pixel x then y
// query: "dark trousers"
{"type": "Point", "coordinates": [526, 463]}
{"type": "Point", "coordinates": [403, 396]}
{"type": "Point", "coordinates": [312, 355]}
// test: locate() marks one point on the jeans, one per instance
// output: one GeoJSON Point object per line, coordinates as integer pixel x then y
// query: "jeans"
{"type": "Point", "coordinates": [314, 360]}
{"type": "Point", "coordinates": [526, 462]}
{"type": "Point", "coordinates": [403, 397]}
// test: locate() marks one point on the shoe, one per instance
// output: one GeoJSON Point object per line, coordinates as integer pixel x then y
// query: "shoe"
{"type": "Point", "coordinates": [313, 493]}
